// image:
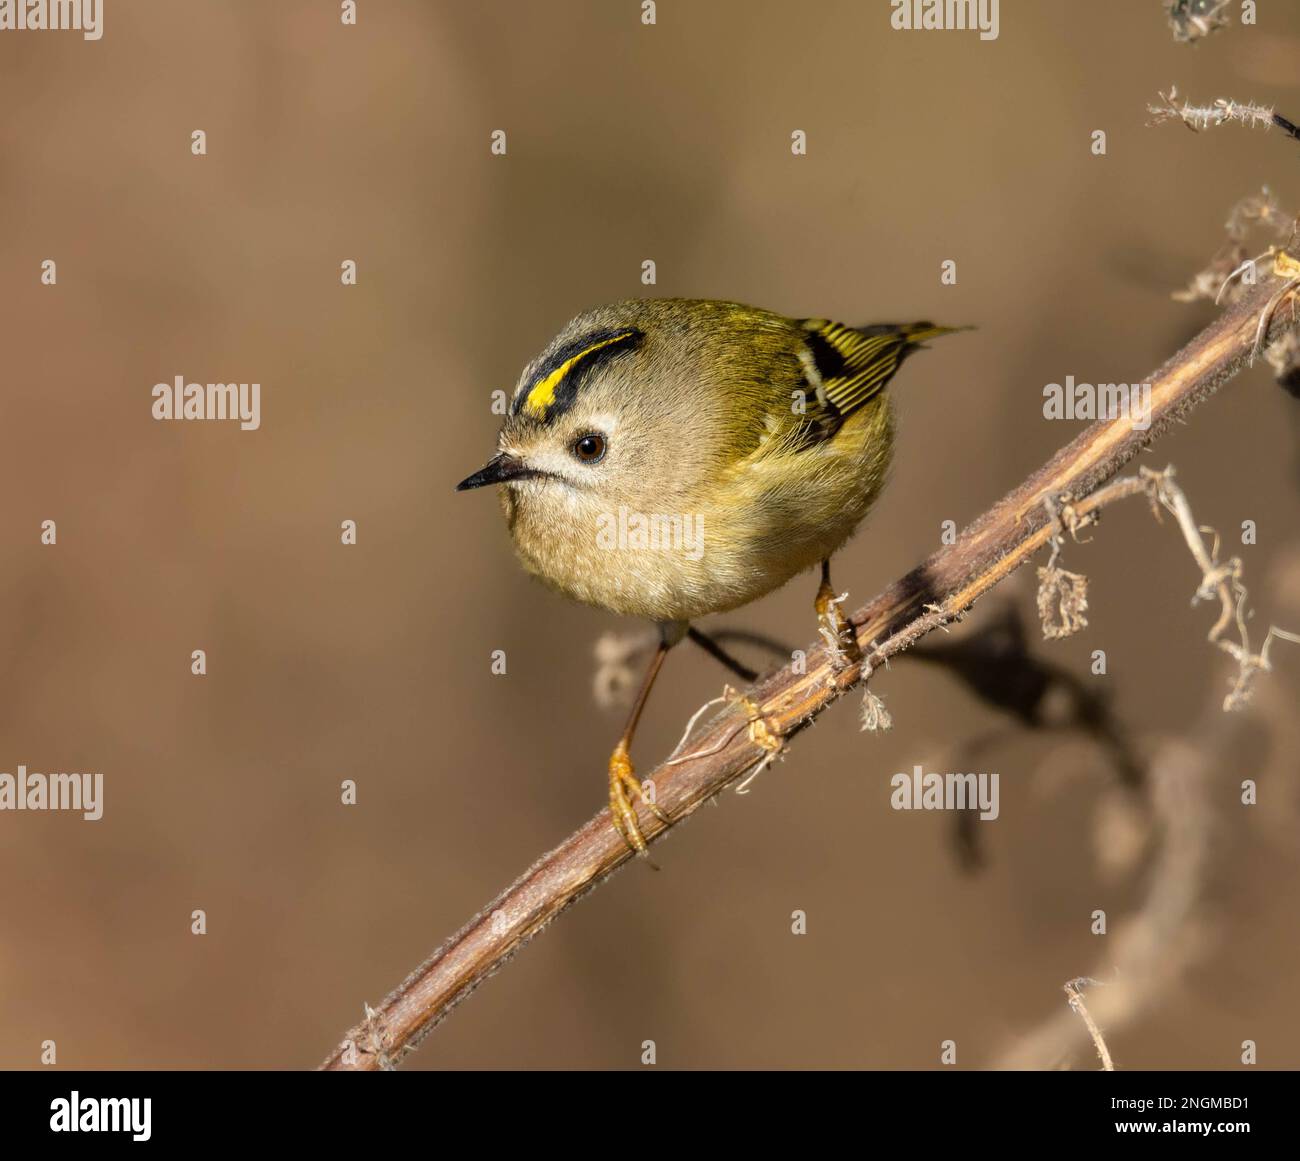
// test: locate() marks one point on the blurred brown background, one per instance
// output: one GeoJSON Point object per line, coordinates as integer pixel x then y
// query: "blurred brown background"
{"type": "Point", "coordinates": [625, 143]}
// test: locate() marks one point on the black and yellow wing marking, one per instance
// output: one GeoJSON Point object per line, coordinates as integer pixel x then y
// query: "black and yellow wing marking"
{"type": "Point", "coordinates": [851, 365]}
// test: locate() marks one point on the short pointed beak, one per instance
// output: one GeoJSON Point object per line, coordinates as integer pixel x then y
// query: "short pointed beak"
{"type": "Point", "coordinates": [500, 468]}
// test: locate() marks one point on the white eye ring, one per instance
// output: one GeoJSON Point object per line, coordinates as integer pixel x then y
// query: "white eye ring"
{"type": "Point", "coordinates": [590, 448]}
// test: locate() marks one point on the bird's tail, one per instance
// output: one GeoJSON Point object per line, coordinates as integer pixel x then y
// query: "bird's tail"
{"type": "Point", "coordinates": [912, 333]}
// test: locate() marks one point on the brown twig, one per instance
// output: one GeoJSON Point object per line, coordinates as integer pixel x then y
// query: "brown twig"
{"type": "Point", "coordinates": [1222, 111]}
{"type": "Point", "coordinates": [1146, 957]}
{"type": "Point", "coordinates": [1074, 992]}
{"type": "Point", "coordinates": [1151, 949]}
{"type": "Point", "coordinates": [755, 726]}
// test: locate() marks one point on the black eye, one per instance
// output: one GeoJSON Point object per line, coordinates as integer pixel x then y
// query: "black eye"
{"type": "Point", "coordinates": [590, 449]}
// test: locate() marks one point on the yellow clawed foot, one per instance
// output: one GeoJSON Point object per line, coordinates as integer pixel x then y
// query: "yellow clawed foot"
{"type": "Point", "coordinates": [624, 792]}
{"type": "Point", "coordinates": [835, 627]}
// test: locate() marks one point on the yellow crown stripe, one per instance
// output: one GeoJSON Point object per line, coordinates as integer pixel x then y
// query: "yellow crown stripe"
{"type": "Point", "coordinates": [542, 395]}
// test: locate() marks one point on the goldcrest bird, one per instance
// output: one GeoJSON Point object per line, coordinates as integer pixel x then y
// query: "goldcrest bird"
{"type": "Point", "coordinates": [671, 458]}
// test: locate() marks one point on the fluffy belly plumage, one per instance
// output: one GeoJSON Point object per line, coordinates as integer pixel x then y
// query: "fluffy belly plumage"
{"type": "Point", "coordinates": [684, 565]}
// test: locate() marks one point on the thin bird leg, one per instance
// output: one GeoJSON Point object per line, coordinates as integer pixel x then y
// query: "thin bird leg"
{"type": "Point", "coordinates": [777, 648]}
{"type": "Point", "coordinates": [716, 651]}
{"type": "Point", "coordinates": [835, 628]}
{"type": "Point", "coordinates": [1266, 316]}
{"type": "Point", "coordinates": [624, 789]}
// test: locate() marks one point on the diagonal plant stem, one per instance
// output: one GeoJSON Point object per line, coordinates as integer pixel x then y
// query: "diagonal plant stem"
{"type": "Point", "coordinates": [756, 725]}
{"type": "Point", "coordinates": [1074, 992]}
